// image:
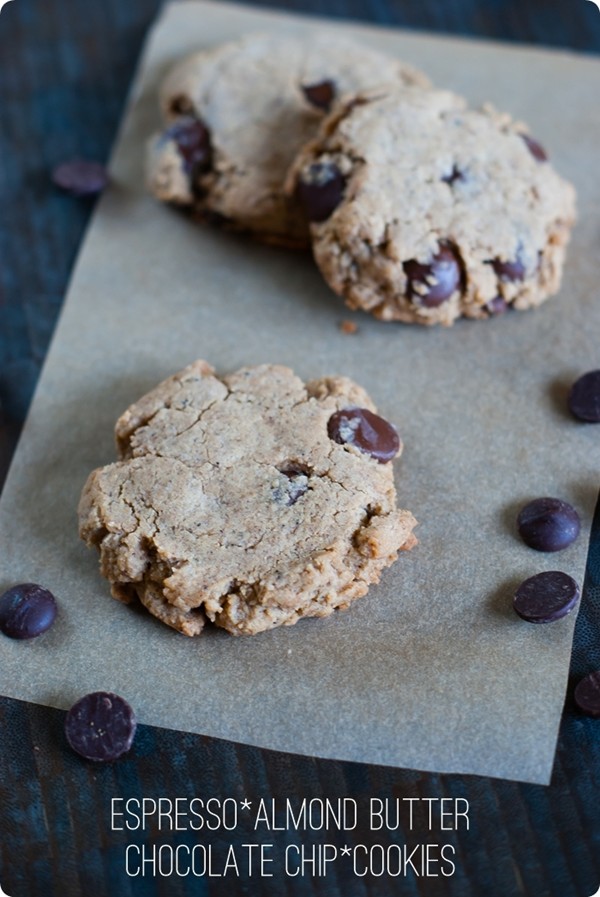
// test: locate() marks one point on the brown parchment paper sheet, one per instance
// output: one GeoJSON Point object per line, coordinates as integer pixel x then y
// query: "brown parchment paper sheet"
{"type": "Point", "coordinates": [432, 670]}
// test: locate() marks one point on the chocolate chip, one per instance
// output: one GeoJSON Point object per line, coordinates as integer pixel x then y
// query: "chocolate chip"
{"type": "Point", "coordinates": [100, 726]}
{"type": "Point", "coordinates": [320, 190]}
{"type": "Point", "coordinates": [80, 177]}
{"type": "Point", "coordinates": [584, 398]}
{"type": "Point", "coordinates": [320, 95]}
{"type": "Point", "coordinates": [587, 695]}
{"type": "Point", "coordinates": [546, 597]}
{"type": "Point", "coordinates": [297, 475]}
{"type": "Point", "coordinates": [455, 175]}
{"type": "Point", "coordinates": [26, 610]}
{"type": "Point", "coordinates": [192, 139]}
{"type": "Point", "coordinates": [509, 270]}
{"type": "Point", "coordinates": [548, 524]}
{"type": "Point", "coordinates": [497, 306]}
{"type": "Point", "coordinates": [434, 283]}
{"type": "Point", "coordinates": [366, 431]}
{"type": "Point", "coordinates": [536, 149]}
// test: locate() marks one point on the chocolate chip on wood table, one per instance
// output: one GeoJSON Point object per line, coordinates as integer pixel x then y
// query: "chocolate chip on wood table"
{"type": "Point", "coordinates": [584, 398]}
{"type": "Point", "coordinates": [548, 524]}
{"type": "Point", "coordinates": [26, 611]}
{"type": "Point", "coordinates": [81, 177]}
{"type": "Point", "coordinates": [546, 597]}
{"type": "Point", "coordinates": [587, 694]}
{"type": "Point", "coordinates": [100, 726]}
{"type": "Point", "coordinates": [249, 501]}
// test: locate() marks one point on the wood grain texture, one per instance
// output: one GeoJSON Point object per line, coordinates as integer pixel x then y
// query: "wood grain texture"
{"type": "Point", "coordinates": [64, 72]}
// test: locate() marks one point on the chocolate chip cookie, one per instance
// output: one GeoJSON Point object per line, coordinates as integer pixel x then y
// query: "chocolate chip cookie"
{"type": "Point", "coordinates": [250, 500]}
{"type": "Point", "coordinates": [424, 210]}
{"type": "Point", "coordinates": [237, 115]}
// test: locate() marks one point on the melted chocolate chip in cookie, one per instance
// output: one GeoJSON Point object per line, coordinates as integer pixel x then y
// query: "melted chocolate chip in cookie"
{"type": "Point", "coordinates": [497, 306]}
{"type": "Point", "coordinates": [320, 95]}
{"type": "Point", "coordinates": [455, 175]}
{"type": "Point", "coordinates": [297, 475]}
{"type": "Point", "coordinates": [320, 190]}
{"type": "Point", "coordinates": [434, 283]}
{"type": "Point", "coordinates": [508, 270]}
{"type": "Point", "coordinates": [536, 149]}
{"type": "Point", "coordinates": [192, 139]}
{"type": "Point", "coordinates": [366, 431]}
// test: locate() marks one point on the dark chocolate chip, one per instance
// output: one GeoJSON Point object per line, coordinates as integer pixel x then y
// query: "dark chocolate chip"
{"type": "Point", "coordinates": [100, 726]}
{"type": "Point", "coordinates": [297, 475]}
{"type": "Point", "coordinates": [497, 306]}
{"type": "Point", "coordinates": [546, 597]}
{"type": "Point", "coordinates": [509, 270]}
{"type": "Point", "coordinates": [26, 610]}
{"type": "Point", "coordinates": [536, 149]}
{"type": "Point", "coordinates": [366, 431]}
{"type": "Point", "coordinates": [584, 398]}
{"type": "Point", "coordinates": [434, 283]}
{"type": "Point", "coordinates": [192, 139]}
{"type": "Point", "coordinates": [320, 95]}
{"type": "Point", "coordinates": [320, 190]}
{"type": "Point", "coordinates": [548, 524]}
{"type": "Point", "coordinates": [587, 695]}
{"type": "Point", "coordinates": [80, 177]}
{"type": "Point", "coordinates": [455, 175]}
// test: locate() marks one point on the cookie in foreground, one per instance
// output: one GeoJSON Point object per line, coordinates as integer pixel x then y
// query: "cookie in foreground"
{"type": "Point", "coordinates": [249, 501]}
{"type": "Point", "coordinates": [424, 210]}
{"type": "Point", "coordinates": [236, 115]}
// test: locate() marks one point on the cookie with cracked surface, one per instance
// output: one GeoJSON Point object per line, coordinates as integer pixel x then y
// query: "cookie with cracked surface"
{"type": "Point", "coordinates": [424, 210]}
{"type": "Point", "coordinates": [249, 501]}
{"type": "Point", "coordinates": [237, 115]}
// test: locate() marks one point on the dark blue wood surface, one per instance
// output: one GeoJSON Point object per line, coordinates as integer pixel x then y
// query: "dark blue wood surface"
{"type": "Point", "coordinates": [64, 71]}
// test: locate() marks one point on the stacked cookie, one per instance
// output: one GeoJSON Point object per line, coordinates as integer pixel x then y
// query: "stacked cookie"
{"type": "Point", "coordinates": [419, 209]}
{"type": "Point", "coordinates": [238, 115]}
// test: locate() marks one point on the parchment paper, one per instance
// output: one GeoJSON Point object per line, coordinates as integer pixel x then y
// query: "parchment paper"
{"type": "Point", "coordinates": [432, 670]}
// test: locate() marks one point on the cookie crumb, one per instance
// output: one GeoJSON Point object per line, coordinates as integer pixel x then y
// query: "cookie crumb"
{"type": "Point", "coordinates": [348, 327]}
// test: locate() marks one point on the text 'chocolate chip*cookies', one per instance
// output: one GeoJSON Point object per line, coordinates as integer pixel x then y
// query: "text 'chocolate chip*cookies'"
{"type": "Point", "coordinates": [250, 501]}
{"type": "Point", "coordinates": [236, 116]}
{"type": "Point", "coordinates": [423, 210]}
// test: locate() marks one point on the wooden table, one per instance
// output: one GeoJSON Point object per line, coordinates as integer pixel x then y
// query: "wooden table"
{"type": "Point", "coordinates": [64, 71]}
